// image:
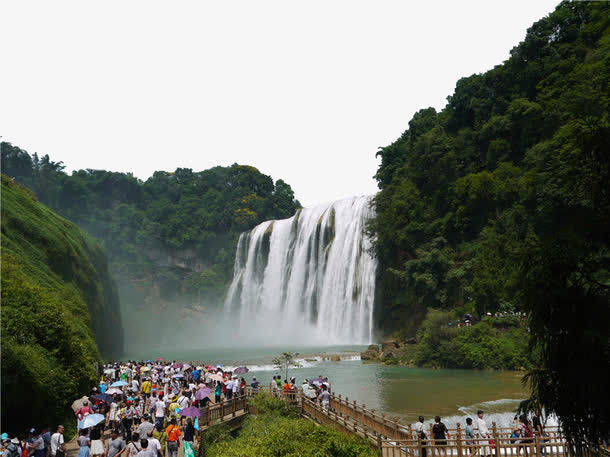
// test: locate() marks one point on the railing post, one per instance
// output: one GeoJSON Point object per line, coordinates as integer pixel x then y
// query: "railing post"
{"type": "Point", "coordinates": [494, 432]}
{"type": "Point", "coordinates": [458, 438]}
{"type": "Point", "coordinates": [537, 444]}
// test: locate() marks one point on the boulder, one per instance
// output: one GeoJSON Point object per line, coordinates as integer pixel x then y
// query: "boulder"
{"type": "Point", "coordinates": [373, 347]}
{"type": "Point", "coordinates": [369, 355]}
{"type": "Point", "coordinates": [388, 355]}
{"type": "Point", "coordinates": [412, 340]}
{"type": "Point", "coordinates": [390, 345]}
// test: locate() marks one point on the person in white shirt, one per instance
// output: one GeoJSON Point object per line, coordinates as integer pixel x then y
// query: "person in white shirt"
{"type": "Point", "coordinates": [235, 386]}
{"type": "Point", "coordinates": [154, 444]}
{"type": "Point", "coordinates": [58, 447]}
{"type": "Point", "coordinates": [305, 387]}
{"type": "Point", "coordinates": [229, 393]}
{"type": "Point", "coordinates": [483, 433]}
{"type": "Point", "coordinates": [159, 411]}
{"type": "Point", "coordinates": [421, 434]}
{"type": "Point", "coordinates": [183, 401]}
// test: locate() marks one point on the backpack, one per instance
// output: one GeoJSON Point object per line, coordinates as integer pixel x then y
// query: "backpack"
{"type": "Point", "coordinates": [528, 432]}
{"type": "Point", "coordinates": [13, 451]}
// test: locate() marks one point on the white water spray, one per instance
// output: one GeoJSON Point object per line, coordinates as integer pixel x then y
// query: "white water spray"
{"type": "Point", "coordinates": [310, 278]}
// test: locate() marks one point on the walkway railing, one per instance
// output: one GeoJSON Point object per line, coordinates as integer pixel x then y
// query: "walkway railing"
{"type": "Point", "coordinates": [393, 438]}
{"type": "Point", "coordinates": [219, 412]}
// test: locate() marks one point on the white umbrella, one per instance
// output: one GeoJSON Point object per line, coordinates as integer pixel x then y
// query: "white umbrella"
{"type": "Point", "coordinates": [90, 420]}
{"type": "Point", "coordinates": [79, 403]}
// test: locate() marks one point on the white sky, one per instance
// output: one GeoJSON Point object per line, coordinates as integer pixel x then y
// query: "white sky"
{"type": "Point", "coordinates": [304, 91]}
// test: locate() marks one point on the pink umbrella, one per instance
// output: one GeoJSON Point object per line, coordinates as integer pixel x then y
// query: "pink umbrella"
{"type": "Point", "coordinates": [190, 412]}
{"type": "Point", "coordinates": [202, 393]}
{"type": "Point", "coordinates": [176, 365]}
{"type": "Point", "coordinates": [114, 390]}
{"type": "Point", "coordinates": [160, 358]}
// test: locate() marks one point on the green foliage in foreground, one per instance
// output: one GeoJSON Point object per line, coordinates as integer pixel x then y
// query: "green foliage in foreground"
{"type": "Point", "coordinates": [273, 434]}
{"type": "Point", "coordinates": [487, 344]}
{"type": "Point", "coordinates": [56, 296]}
{"type": "Point", "coordinates": [270, 405]}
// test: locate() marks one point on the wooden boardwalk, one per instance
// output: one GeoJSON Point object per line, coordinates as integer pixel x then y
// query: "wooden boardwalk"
{"type": "Point", "coordinates": [398, 440]}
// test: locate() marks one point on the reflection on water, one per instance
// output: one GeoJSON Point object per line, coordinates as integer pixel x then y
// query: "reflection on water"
{"type": "Point", "coordinates": [401, 392]}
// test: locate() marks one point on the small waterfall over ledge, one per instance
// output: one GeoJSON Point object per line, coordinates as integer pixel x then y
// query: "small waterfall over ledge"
{"type": "Point", "coordinates": [309, 278]}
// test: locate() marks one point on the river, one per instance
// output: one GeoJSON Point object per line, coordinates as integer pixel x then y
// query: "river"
{"type": "Point", "coordinates": [401, 392]}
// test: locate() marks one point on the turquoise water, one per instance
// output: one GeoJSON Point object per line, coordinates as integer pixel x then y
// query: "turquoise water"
{"type": "Point", "coordinates": [402, 393]}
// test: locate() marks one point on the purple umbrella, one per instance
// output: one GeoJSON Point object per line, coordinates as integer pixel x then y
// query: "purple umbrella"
{"type": "Point", "coordinates": [241, 370]}
{"type": "Point", "coordinates": [190, 412]}
{"type": "Point", "coordinates": [177, 365]}
{"type": "Point", "coordinates": [202, 393]}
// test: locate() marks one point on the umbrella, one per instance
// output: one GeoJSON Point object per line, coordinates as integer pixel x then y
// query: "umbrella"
{"type": "Point", "coordinates": [160, 358]}
{"type": "Point", "coordinates": [185, 366]}
{"type": "Point", "coordinates": [179, 375]}
{"type": "Point", "coordinates": [220, 365]}
{"type": "Point", "coordinates": [143, 369]}
{"type": "Point", "coordinates": [104, 397]}
{"type": "Point", "coordinates": [90, 420]}
{"type": "Point", "coordinates": [201, 386]}
{"type": "Point", "coordinates": [113, 391]}
{"type": "Point", "coordinates": [118, 384]}
{"type": "Point", "coordinates": [202, 393]}
{"type": "Point", "coordinates": [216, 377]}
{"type": "Point", "coordinates": [176, 365]}
{"type": "Point", "coordinates": [78, 404]}
{"type": "Point", "coordinates": [109, 371]}
{"type": "Point", "coordinates": [190, 412]}
{"type": "Point", "coordinates": [241, 370]}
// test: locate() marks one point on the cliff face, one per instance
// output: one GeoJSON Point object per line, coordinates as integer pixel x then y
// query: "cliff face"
{"type": "Point", "coordinates": [60, 311]}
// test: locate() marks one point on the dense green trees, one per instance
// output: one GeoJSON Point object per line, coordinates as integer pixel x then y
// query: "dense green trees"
{"type": "Point", "coordinates": [57, 300]}
{"type": "Point", "coordinates": [199, 212]}
{"type": "Point", "coordinates": [501, 201]}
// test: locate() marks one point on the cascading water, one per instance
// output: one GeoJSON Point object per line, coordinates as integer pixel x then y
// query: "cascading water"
{"type": "Point", "coordinates": [309, 278]}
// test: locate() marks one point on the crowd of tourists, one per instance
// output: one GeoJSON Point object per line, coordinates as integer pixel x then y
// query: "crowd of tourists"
{"type": "Point", "coordinates": [151, 408]}
{"type": "Point", "coordinates": [477, 437]}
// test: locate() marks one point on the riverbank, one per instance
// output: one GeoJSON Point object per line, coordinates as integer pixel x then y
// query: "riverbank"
{"type": "Point", "coordinates": [499, 343]}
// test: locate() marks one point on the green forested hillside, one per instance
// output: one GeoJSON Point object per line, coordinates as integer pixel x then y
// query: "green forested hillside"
{"type": "Point", "coordinates": [501, 202]}
{"type": "Point", "coordinates": [57, 300]}
{"type": "Point", "coordinates": [169, 213]}
{"type": "Point", "coordinates": [170, 239]}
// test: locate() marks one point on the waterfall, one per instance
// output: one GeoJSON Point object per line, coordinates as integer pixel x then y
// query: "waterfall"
{"type": "Point", "coordinates": [309, 278]}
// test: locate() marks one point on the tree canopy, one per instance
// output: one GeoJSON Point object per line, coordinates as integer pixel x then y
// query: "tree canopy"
{"type": "Point", "coordinates": [200, 212]}
{"type": "Point", "coordinates": [501, 202]}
